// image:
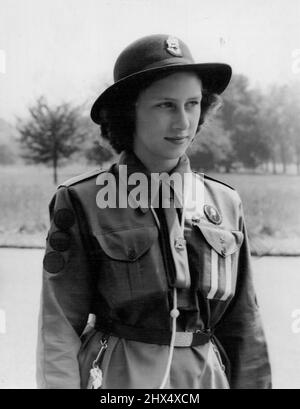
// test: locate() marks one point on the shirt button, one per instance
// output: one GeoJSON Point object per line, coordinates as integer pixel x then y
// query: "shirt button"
{"type": "Point", "coordinates": [131, 254]}
{"type": "Point", "coordinates": [195, 219]}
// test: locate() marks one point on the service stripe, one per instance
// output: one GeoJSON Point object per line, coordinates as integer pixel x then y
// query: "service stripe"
{"type": "Point", "coordinates": [228, 278]}
{"type": "Point", "coordinates": [214, 274]}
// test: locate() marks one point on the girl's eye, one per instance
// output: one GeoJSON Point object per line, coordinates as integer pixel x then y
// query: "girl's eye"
{"type": "Point", "coordinates": [165, 105]}
{"type": "Point", "coordinates": [171, 105]}
{"type": "Point", "coordinates": [193, 103]}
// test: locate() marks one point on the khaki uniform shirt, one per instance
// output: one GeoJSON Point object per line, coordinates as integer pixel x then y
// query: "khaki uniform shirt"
{"type": "Point", "coordinates": [110, 262]}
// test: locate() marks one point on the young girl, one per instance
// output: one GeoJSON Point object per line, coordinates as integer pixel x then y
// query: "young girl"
{"type": "Point", "coordinates": [157, 253]}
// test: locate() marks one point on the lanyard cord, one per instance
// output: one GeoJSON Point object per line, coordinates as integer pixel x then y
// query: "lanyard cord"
{"type": "Point", "coordinates": [174, 314]}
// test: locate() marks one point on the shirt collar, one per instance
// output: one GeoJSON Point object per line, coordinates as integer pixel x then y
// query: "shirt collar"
{"type": "Point", "coordinates": [135, 165]}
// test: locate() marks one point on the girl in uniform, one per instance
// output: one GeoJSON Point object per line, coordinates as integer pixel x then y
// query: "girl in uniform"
{"type": "Point", "coordinates": [163, 265]}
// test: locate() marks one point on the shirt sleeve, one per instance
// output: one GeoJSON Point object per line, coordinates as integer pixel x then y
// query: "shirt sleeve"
{"type": "Point", "coordinates": [65, 298]}
{"type": "Point", "coordinates": [240, 331]}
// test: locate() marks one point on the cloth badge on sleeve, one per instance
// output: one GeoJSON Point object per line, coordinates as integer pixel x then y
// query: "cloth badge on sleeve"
{"type": "Point", "coordinates": [64, 219]}
{"type": "Point", "coordinates": [53, 262]}
{"type": "Point", "coordinates": [60, 241]}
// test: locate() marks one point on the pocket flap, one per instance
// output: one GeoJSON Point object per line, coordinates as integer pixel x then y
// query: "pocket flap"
{"type": "Point", "coordinates": [127, 245]}
{"type": "Point", "coordinates": [224, 242]}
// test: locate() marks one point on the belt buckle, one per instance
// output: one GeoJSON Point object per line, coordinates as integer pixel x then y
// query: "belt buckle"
{"type": "Point", "coordinates": [183, 339]}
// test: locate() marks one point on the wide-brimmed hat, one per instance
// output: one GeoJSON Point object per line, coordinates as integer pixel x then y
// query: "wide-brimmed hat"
{"type": "Point", "coordinates": [154, 53]}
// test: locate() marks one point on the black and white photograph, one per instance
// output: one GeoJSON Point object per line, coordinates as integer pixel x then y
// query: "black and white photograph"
{"type": "Point", "coordinates": [149, 196]}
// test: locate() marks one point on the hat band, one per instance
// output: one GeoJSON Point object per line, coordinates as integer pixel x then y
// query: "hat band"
{"type": "Point", "coordinates": [160, 64]}
{"type": "Point", "coordinates": [170, 61]}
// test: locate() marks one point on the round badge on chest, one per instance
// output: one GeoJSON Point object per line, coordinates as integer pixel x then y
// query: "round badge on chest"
{"type": "Point", "coordinates": [212, 214]}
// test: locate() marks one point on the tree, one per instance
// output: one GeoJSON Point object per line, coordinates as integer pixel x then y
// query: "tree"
{"type": "Point", "coordinates": [51, 134]}
{"type": "Point", "coordinates": [240, 115]}
{"type": "Point", "coordinates": [212, 147]}
{"type": "Point", "coordinates": [292, 120]}
{"type": "Point", "coordinates": [8, 143]}
{"type": "Point", "coordinates": [279, 122]}
{"type": "Point", "coordinates": [98, 154]}
{"type": "Point", "coordinates": [95, 148]}
{"type": "Point", "coordinates": [269, 129]}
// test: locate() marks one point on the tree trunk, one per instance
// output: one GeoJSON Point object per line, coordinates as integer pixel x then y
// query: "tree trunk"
{"type": "Point", "coordinates": [274, 167]}
{"type": "Point", "coordinates": [54, 157]}
{"type": "Point", "coordinates": [284, 166]}
{"type": "Point", "coordinates": [283, 156]}
{"type": "Point", "coordinates": [54, 168]}
{"type": "Point", "coordinates": [55, 174]}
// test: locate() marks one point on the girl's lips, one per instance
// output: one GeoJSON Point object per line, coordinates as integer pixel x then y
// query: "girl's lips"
{"type": "Point", "coordinates": [177, 140]}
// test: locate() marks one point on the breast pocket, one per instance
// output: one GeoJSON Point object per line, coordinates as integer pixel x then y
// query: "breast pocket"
{"type": "Point", "coordinates": [124, 256]}
{"type": "Point", "coordinates": [217, 261]}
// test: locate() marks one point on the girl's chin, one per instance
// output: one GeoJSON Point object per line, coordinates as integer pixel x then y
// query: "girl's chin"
{"type": "Point", "coordinates": [174, 153]}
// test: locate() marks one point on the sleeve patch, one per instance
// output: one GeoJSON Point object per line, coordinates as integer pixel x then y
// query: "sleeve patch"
{"type": "Point", "coordinates": [64, 219]}
{"type": "Point", "coordinates": [53, 262]}
{"type": "Point", "coordinates": [60, 241]}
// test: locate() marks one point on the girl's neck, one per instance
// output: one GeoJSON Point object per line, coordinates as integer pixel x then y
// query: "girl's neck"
{"type": "Point", "coordinates": [158, 166]}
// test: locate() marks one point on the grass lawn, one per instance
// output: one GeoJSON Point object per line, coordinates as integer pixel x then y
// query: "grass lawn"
{"type": "Point", "coordinates": [271, 205]}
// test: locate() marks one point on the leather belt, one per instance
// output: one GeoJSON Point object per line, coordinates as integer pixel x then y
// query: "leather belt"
{"type": "Point", "coordinates": [187, 339]}
{"type": "Point", "coordinates": [151, 336]}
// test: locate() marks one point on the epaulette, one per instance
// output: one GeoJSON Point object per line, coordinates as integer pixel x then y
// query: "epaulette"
{"type": "Point", "coordinates": [81, 177]}
{"type": "Point", "coordinates": [216, 180]}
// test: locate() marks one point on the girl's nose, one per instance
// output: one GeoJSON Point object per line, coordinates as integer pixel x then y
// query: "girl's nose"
{"type": "Point", "coordinates": [181, 120]}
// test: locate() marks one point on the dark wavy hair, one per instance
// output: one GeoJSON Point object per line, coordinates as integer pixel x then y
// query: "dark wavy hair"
{"type": "Point", "coordinates": [117, 120]}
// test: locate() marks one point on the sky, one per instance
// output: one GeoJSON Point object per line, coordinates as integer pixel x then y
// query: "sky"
{"type": "Point", "coordinates": [66, 49]}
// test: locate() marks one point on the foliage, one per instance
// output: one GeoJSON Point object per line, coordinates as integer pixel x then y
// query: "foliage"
{"type": "Point", "coordinates": [94, 148]}
{"type": "Point", "coordinates": [252, 129]}
{"type": "Point", "coordinates": [212, 148]}
{"type": "Point", "coordinates": [51, 134]}
{"type": "Point", "coordinates": [240, 117]}
{"type": "Point", "coordinates": [98, 154]}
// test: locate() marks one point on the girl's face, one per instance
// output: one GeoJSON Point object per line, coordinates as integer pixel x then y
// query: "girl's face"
{"type": "Point", "coordinates": [167, 116]}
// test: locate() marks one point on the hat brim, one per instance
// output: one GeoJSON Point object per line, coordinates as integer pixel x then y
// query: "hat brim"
{"type": "Point", "coordinates": [214, 76]}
